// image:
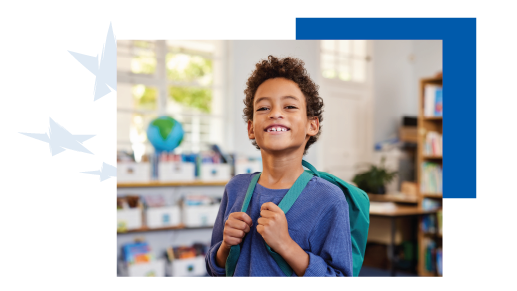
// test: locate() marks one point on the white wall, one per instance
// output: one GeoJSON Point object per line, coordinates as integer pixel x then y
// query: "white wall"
{"type": "Point", "coordinates": [244, 54]}
{"type": "Point", "coordinates": [398, 67]}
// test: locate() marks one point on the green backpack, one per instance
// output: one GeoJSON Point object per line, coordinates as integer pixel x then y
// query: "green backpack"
{"type": "Point", "coordinates": [358, 209]}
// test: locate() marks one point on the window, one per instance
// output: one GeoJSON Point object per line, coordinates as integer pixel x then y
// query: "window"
{"type": "Point", "coordinates": [344, 60]}
{"type": "Point", "coordinates": [182, 79]}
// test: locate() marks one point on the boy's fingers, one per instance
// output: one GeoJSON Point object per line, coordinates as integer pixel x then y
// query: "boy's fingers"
{"type": "Point", "coordinates": [270, 206]}
{"type": "Point", "coordinates": [243, 216]}
{"type": "Point", "coordinates": [232, 232]}
{"type": "Point", "coordinates": [238, 224]}
{"type": "Point", "coordinates": [262, 221]}
{"type": "Point", "coordinates": [267, 213]}
{"type": "Point", "coordinates": [260, 229]}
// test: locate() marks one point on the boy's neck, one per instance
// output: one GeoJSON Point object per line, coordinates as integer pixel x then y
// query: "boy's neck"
{"type": "Point", "coordinates": [280, 171]}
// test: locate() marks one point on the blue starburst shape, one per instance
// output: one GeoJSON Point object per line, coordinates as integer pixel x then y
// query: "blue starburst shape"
{"type": "Point", "coordinates": [105, 172]}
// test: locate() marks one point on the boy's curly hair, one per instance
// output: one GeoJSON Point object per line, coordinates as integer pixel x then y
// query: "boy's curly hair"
{"type": "Point", "coordinates": [292, 69]}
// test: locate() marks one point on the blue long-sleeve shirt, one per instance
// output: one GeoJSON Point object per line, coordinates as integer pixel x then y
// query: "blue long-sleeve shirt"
{"type": "Point", "coordinates": [318, 222]}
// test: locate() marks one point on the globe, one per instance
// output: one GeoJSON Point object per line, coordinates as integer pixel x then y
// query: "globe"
{"type": "Point", "coordinates": [165, 133]}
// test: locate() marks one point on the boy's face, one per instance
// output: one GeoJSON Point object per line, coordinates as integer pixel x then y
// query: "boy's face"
{"type": "Point", "coordinates": [280, 122]}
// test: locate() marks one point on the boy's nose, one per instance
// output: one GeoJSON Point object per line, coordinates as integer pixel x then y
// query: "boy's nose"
{"type": "Point", "coordinates": [275, 114]}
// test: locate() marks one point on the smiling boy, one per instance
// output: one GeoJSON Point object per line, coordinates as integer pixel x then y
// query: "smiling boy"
{"type": "Point", "coordinates": [283, 111]}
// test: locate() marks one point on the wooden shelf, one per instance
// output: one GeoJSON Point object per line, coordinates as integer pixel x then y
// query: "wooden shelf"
{"type": "Point", "coordinates": [170, 184]}
{"type": "Point", "coordinates": [181, 226]}
{"type": "Point", "coordinates": [438, 118]}
{"type": "Point", "coordinates": [401, 198]}
{"type": "Point", "coordinates": [426, 124]}
{"type": "Point", "coordinates": [429, 157]}
{"type": "Point", "coordinates": [432, 195]}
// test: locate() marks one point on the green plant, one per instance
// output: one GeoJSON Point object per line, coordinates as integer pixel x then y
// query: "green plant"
{"type": "Point", "coordinates": [375, 179]}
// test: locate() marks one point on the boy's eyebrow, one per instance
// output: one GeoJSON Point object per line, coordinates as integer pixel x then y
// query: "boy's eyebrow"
{"type": "Point", "coordinates": [284, 97]}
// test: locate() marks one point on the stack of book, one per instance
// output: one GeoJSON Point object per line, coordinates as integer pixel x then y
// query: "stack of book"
{"type": "Point", "coordinates": [136, 253]}
{"type": "Point", "coordinates": [431, 179]}
{"type": "Point", "coordinates": [428, 224]}
{"type": "Point", "coordinates": [433, 100]}
{"type": "Point", "coordinates": [433, 144]}
{"type": "Point", "coordinates": [439, 261]}
{"type": "Point", "coordinates": [439, 215]}
{"type": "Point", "coordinates": [430, 258]}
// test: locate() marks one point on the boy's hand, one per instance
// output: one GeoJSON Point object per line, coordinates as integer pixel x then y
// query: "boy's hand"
{"type": "Point", "coordinates": [235, 228]}
{"type": "Point", "coordinates": [272, 225]}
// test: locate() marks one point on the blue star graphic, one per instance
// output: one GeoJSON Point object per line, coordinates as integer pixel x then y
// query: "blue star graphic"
{"type": "Point", "coordinates": [105, 172]}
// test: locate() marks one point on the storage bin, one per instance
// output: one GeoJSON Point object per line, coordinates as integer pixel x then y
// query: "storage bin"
{"type": "Point", "coordinates": [157, 217]}
{"type": "Point", "coordinates": [198, 216]}
{"type": "Point", "coordinates": [188, 267]}
{"type": "Point", "coordinates": [176, 171]}
{"type": "Point", "coordinates": [133, 172]}
{"type": "Point", "coordinates": [128, 219]}
{"type": "Point", "coordinates": [154, 268]}
{"type": "Point", "coordinates": [248, 167]}
{"type": "Point", "coordinates": [215, 172]}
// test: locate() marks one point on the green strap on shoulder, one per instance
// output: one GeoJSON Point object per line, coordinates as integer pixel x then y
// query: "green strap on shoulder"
{"type": "Point", "coordinates": [286, 204]}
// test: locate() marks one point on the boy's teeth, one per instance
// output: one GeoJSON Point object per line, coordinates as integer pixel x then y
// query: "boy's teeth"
{"type": "Point", "coordinates": [277, 129]}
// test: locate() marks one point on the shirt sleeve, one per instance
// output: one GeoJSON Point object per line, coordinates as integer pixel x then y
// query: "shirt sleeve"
{"type": "Point", "coordinates": [331, 243]}
{"type": "Point", "coordinates": [217, 238]}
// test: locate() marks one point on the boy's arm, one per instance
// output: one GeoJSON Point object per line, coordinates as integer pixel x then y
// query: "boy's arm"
{"type": "Point", "coordinates": [211, 258]}
{"type": "Point", "coordinates": [331, 242]}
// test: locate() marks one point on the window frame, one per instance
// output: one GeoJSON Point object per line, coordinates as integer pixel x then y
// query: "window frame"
{"type": "Point", "coordinates": [336, 82]}
{"type": "Point", "coordinates": [160, 81]}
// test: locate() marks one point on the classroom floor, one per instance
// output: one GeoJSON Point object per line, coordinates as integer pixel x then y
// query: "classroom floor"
{"type": "Point", "coordinates": [376, 272]}
{"type": "Point", "coordinates": [365, 272]}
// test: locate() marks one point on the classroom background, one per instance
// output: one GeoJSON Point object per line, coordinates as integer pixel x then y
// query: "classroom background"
{"type": "Point", "coordinates": [382, 131]}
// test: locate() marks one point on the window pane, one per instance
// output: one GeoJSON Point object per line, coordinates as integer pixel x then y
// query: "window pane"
{"type": "Point", "coordinates": [344, 48]}
{"type": "Point", "coordinates": [189, 68]}
{"type": "Point", "coordinates": [197, 46]}
{"type": "Point", "coordinates": [359, 70]}
{"type": "Point", "coordinates": [192, 97]}
{"type": "Point", "coordinates": [328, 62]}
{"type": "Point", "coordinates": [144, 97]}
{"type": "Point", "coordinates": [359, 48]}
{"type": "Point", "coordinates": [140, 123]}
{"type": "Point", "coordinates": [144, 57]}
{"type": "Point", "coordinates": [328, 45]}
{"type": "Point", "coordinates": [344, 71]}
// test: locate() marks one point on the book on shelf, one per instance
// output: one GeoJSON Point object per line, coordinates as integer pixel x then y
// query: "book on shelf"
{"type": "Point", "coordinates": [433, 144]}
{"type": "Point", "coordinates": [430, 257]}
{"type": "Point", "coordinates": [431, 204]}
{"type": "Point", "coordinates": [135, 253]}
{"type": "Point", "coordinates": [431, 178]}
{"type": "Point", "coordinates": [428, 224]}
{"type": "Point", "coordinates": [439, 261]}
{"type": "Point", "coordinates": [433, 100]}
{"type": "Point", "coordinates": [439, 217]}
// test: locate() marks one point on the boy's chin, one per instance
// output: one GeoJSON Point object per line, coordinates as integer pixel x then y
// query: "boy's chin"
{"type": "Point", "coordinates": [278, 149]}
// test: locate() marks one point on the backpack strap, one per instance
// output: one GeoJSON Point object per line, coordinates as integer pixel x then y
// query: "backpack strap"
{"type": "Point", "coordinates": [310, 167]}
{"type": "Point", "coordinates": [235, 250]}
{"type": "Point", "coordinates": [286, 204]}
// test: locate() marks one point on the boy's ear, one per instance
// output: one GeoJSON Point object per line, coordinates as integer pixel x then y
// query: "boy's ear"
{"type": "Point", "coordinates": [314, 126]}
{"type": "Point", "coordinates": [251, 132]}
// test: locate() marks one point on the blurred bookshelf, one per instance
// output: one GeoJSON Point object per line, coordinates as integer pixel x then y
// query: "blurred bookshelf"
{"type": "Point", "coordinates": [170, 184]}
{"type": "Point", "coordinates": [429, 174]}
{"type": "Point", "coordinates": [178, 227]}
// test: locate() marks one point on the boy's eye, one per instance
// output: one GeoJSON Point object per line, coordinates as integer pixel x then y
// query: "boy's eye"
{"type": "Point", "coordinates": [288, 107]}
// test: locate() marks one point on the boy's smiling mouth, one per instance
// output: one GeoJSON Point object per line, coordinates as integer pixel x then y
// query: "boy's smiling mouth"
{"type": "Point", "coordinates": [276, 128]}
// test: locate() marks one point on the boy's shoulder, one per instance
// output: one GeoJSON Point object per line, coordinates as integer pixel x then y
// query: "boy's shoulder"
{"type": "Point", "coordinates": [326, 190]}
